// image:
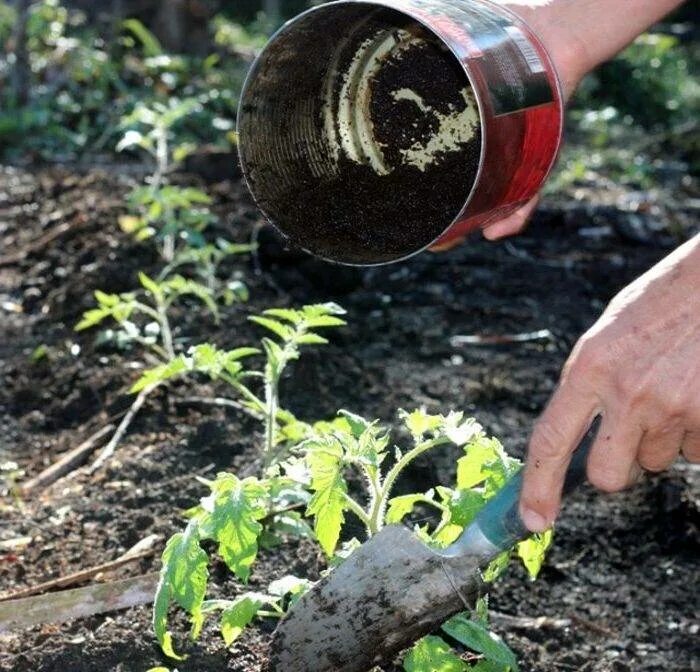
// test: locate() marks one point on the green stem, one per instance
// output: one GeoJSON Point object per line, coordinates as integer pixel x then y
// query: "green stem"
{"type": "Point", "coordinates": [271, 403]}
{"type": "Point", "coordinates": [379, 505]}
{"type": "Point", "coordinates": [165, 331]}
{"type": "Point", "coordinates": [360, 513]}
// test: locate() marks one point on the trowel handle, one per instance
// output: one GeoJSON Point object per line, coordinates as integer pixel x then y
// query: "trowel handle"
{"type": "Point", "coordinates": [500, 521]}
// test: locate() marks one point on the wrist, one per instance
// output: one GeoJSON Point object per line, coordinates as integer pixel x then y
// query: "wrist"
{"type": "Point", "coordinates": [565, 47]}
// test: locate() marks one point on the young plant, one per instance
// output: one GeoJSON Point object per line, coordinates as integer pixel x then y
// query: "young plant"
{"type": "Point", "coordinates": [205, 262]}
{"type": "Point", "coordinates": [314, 467]}
{"type": "Point", "coordinates": [484, 468]}
{"type": "Point", "coordinates": [143, 317]}
{"type": "Point", "coordinates": [241, 514]}
{"type": "Point", "coordinates": [171, 213]}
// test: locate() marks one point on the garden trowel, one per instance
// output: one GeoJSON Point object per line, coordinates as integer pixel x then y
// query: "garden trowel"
{"type": "Point", "coordinates": [395, 589]}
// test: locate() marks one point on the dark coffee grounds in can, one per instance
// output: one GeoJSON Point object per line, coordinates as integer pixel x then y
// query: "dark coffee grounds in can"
{"type": "Point", "coordinates": [358, 215]}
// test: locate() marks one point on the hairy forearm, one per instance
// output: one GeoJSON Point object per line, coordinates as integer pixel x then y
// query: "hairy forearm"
{"type": "Point", "coordinates": [582, 34]}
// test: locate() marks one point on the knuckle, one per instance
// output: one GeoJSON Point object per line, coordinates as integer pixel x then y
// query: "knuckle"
{"type": "Point", "coordinates": [548, 441]}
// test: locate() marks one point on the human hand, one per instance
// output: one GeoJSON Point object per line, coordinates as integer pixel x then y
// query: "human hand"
{"type": "Point", "coordinates": [577, 40]}
{"type": "Point", "coordinates": [638, 367]}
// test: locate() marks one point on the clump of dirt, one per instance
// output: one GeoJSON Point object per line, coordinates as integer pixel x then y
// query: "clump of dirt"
{"type": "Point", "coordinates": [356, 214]}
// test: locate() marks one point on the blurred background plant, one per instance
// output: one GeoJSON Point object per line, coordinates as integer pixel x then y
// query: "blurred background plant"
{"type": "Point", "coordinates": [70, 70]}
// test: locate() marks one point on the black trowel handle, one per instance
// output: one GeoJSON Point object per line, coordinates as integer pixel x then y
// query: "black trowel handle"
{"type": "Point", "coordinates": [499, 520]}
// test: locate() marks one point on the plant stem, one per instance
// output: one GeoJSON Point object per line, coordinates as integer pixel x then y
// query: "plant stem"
{"type": "Point", "coordinates": [271, 403]}
{"type": "Point", "coordinates": [359, 512]}
{"type": "Point", "coordinates": [379, 505]}
{"type": "Point", "coordinates": [165, 330]}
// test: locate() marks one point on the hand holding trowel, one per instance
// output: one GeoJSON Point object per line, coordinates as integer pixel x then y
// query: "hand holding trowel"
{"type": "Point", "coordinates": [395, 589]}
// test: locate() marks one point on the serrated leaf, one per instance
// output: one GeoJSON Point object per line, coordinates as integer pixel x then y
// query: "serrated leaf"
{"type": "Point", "coordinates": [480, 461]}
{"type": "Point", "coordinates": [230, 517]}
{"type": "Point", "coordinates": [419, 423]}
{"type": "Point", "coordinates": [281, 330]}
{"type": "Point", "coordinates": [150, 285]}
{"type": "Point", "coordinates": [328, 502]}
{"type": "Point", "coordinates": [532, 551]}
{"type": "Point", "coordinates": [161, 373]}
{"type": "Point", "coordinates": [92, 317]}
{"type": "Point", "coordinates": [461, 432]}
{"type": "Point", "coordinates": [478, 638]}
{"type": "Point", "coordinates": [464, 505]}
{"type": "Point", "coordinates": [236, 617]}
{"type": "Point", "coordinates": [401, 506]}
{"type": "Point", "coordinates": [324, 321]}
{"type": "Point", "coordinates": [183, 580]}
{"type": "Point", "coordinates": [433, 654]}
{"type": "Point", "coordinates": [310, 338]}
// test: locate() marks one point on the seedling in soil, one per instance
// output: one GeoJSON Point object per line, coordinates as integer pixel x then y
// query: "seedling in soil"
{"type": "Point", "coordinates": [143, 317]}
{"type": "Point", "coordinates": [171, 213]}
{"type": "Point", "coordinates": [205, 262]}
{"type": "Point", "coordinates": [314, 469]}
{"type": "Point", "coordinates": [242, 514]}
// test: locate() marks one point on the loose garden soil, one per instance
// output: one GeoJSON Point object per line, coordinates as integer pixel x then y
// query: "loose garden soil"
{"type": "Point", "coordinates": [623, 568]}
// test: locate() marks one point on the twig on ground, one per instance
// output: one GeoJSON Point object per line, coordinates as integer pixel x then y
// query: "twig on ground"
{"type": "Point", "coordinates": [499, 339]}
{"type": "Point", "coordinates": [528, 622]}
{"type": "Point", "coordinates": [143, 549]}
{"type": "Point", "coordinates": [77, 603]}
{"type": "Point", "coordinates": [109, 449]}
{"type": "Point", "coordinates": [67, 463]}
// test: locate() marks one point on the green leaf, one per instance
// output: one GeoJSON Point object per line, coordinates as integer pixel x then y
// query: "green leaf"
{"type": "Point", "coordinates": [150, 285]}
{"type": "Point", "coordinates": [183, 579]}
{"type": "Point", "coordinates": [532, 551]}
{"type": "Point", "coordinates": [478, 638]}
{"type": "Point", "coordinates": [291, 585]}
{"type": "Point", "coordinates": [401, 506]}
{"type": "Point", "coordinates": [419, 423]}
{"type": "Point", "coordinates": [149, 42]}
{"type": "Point", "coordinates": [281, 330]}
{"type": "Point", "coordinates": [433, 654]}
{"type": "Point", "coordinates": [236, 617]}
{"type": "Point", "coordinates": [230, 516]}
{"type": "Point", "coordinates": [496, 567]}
{"type": "Point", "coordinates": [460, 432]}
{"type": "Point", "coordinates": [464, 505]}
{"type": "Point", "coordinates": [161, 373]}
{"type": "Point", "coordinates": [328, 502]}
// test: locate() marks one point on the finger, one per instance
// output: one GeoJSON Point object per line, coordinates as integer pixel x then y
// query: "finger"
{"type": "Point", "coordinates": [513, 224]}
{"type": "Point", "coordinates": [556, 434]}
{"type": "Point", "coordinates": [660, 447]}
{"type": "Point", "coordinates": [612, 462]}
{"type": "Point", "coordinates": [691, 446]}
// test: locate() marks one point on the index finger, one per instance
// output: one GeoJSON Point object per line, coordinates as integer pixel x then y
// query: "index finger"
{"type": "Point", "coordinates": [556, 434]}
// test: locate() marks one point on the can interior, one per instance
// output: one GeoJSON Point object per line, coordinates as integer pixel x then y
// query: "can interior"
{"type": "Point", "coordinates": [359, 133]}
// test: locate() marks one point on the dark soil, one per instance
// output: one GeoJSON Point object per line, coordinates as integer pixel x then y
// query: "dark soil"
{"type": "Point", "coordinates": [623, 568]}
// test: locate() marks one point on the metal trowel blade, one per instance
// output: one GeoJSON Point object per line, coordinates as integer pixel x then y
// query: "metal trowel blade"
{"type": "Point", "coordinates": [388, 593]}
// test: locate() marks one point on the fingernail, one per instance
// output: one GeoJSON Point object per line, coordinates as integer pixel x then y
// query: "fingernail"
{"type": "Point", "coordinates": [534, 521]}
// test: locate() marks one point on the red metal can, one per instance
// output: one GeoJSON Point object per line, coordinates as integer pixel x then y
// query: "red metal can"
{"type": "Point", "coordinates": [371, 130]}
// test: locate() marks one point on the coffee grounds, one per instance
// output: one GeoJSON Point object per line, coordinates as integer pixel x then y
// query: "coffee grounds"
{"type": "Point", "coordinates": [360, 217]}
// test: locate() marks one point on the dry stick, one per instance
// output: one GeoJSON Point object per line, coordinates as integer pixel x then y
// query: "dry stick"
{"type": "Point", "coordinates": [66, 605]}
{"type": "Point", "coordinates": [67, 463]}
{"type": "Point", "coordinates": [109, 449]}
{"type": "Point", "coordinates": [76, 577]}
